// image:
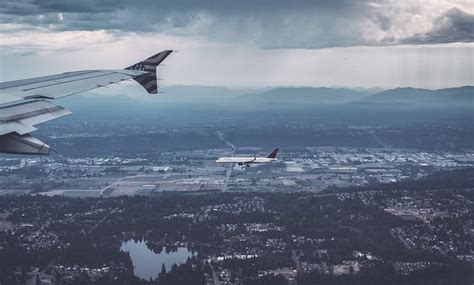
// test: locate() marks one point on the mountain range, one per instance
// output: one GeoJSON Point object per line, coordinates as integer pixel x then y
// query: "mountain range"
{"type": "Point", "coordinates": [288, 96]}
{"type": "Point", "coordinates": [463, 96]}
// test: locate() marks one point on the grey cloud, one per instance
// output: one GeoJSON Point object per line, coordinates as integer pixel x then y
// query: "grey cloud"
{"type": "Point", "coordinates": [31, 7]}
{"type": "Point", "coordinates": [18, 8]}
{"type": "Point", "coordinates": [34, 7]}
{"type": "Point", "coordinates": [266, 23]}
{"type": "Point", "coordinates": [127, 16]}
{"type": "Point", "coordinates": [454, 26]}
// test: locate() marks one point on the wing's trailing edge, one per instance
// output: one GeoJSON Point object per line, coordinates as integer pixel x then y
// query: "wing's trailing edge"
{"type": "Point", "coordinates": [24, 103]}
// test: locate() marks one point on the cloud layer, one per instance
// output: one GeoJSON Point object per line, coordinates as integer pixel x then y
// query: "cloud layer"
{"type": "Point", "coordinates": [263, 23]}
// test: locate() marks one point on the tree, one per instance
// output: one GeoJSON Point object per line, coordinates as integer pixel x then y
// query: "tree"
{"type": "Point", "coordinates": [174, 268]}
{"type": "Point", "coordinates": [38, 281]}
{"type": "Point", "coordinates": [163, 270]}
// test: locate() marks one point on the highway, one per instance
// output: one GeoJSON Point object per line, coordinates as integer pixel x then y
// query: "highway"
{"type": "Point", "coordinates": [231, 166]}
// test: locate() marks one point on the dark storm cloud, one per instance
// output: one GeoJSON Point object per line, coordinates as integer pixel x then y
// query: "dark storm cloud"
{"type": "Point", "coordinates": [151, 13]}
{"type": "Point", "coordinates": [31, 7]}
{"type": "Point", "coordinates": [453, 26]}
{"type": "Point", "coordinates": [142, 16]}
{"type": "Point", "coordinates": [265, 23]}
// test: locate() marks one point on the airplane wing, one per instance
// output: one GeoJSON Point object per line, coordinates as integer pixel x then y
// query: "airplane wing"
{"type": "Point", "coordinates": [25, 103]}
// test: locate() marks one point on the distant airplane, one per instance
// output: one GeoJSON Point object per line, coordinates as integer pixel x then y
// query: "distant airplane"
{"type": "Point", "coordinates": [24, 103]}
{"type": "Point", "coordinates": [249, 160]}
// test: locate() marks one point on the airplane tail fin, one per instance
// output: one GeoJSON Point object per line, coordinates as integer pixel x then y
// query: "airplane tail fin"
{"type": "Point", "coordinates": [273, 154]}
{"type": "Point", "coordinates": [148, 80]}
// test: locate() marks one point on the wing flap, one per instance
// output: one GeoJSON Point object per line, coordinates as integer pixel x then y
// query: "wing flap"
{"type": "Point", "coordinates": [8, 98]}
{"type": "Point", "coordinates": [16, 127]}
{"type": "Point", "coordinates": [22, 117]}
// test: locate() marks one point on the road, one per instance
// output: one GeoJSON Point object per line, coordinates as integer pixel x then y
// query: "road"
{"type": "Point", "coordinates": [228, 173]}
{"type": "Point", "coordinates": [103, 219]}
{"type": "Point", "coordinates": [231, 145]}
{"type": "Point", "coordinates": [215, 278]}
{"type": "Point", "coordinates": [296, 260]}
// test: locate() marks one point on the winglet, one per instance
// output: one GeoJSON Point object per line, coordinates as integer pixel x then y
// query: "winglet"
{"type": "Point", "coordinates": [148, 80]}
{"type": "Point", "coordinates": [273, 154]}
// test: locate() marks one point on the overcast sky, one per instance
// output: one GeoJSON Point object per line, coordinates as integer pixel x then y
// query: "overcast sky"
{"type": "Point", "coordinates": [247, 43]}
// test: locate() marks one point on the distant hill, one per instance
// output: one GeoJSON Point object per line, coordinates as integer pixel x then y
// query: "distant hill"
{"type": "Point", "coordinates": [310, 96]}
{"type": "Point", "coordinates": [197, 94]}
{"type": "Point", "coordinates": [460, 95]}
{"type": "Point", "coordinates": [304, 95]}
{"type": "Point", "coordinates": [183, 94]}
{"type": "Point", "coordinates": [282, 97]}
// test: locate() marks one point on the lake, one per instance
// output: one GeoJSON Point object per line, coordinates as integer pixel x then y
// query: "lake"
{"type": "Point", "coordinates": [147, 264]}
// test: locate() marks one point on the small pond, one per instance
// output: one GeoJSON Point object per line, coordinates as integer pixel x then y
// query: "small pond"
{"type": "Point", "coordinates": [147, 263]}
